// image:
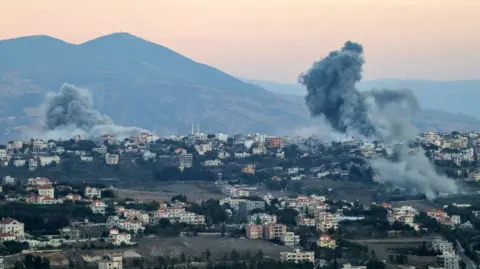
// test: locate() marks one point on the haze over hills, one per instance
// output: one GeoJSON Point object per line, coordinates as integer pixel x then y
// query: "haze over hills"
{"type": "Point", "coordinates": [448, 105]}
{"type": "Point", "coordinates": [140, 83]}
{"type": "Point", "coordinates": [137, 82]}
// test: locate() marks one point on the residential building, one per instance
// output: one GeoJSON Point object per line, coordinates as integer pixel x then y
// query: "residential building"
{"type": "Point", "coordinates": [112, 159]}
{"type": "Point", "coordinates": [254, 231]}
{"type": "Point", "coordinates": [118, 238]}
{"type": "Point", "coordinates": [111, 261]}
{"type": "Point", "coordinates": [441, 245]}
{"type": "Point", "coordinates": [12, 227]}
{"type": "Point", "coordinates": [46, 191]}
{"type": "Point", "coordinates": [290, 239]}
{"type": "Point", "coordinates": [98, 207]}
{"type": "Point", "coordinates": [38, 181]}
{"type": "Point", "coordinates": [326, 241]}
{"type": "Point", "coordinates": [262, 218]}
{"type": "Point", "coordinates": [185, 160]}
{"type": "Point", "coordinates": [298, 256]}
{"type": "Point", "coordinates": [7, 237]}
{"type": "Point", "coordinates": [8, 180]}
{"type": "Point", "coordinates": [349, 266]}
{"type": "Point", "coordinates": [274, 231]}
{"type": "Point", "coordinates": [91, 192]}
{"type": "Point", "coordinates": [448, 260]}
{"type": "Point", "coordinates": [275, 142]}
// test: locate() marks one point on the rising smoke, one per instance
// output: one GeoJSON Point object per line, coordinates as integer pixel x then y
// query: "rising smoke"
{"type": "Point", "coordinates": [383, 115]}
{"type": "Point", "coordinates": [70, 112]}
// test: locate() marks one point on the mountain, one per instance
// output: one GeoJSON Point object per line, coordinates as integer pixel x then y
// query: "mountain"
{"type": "Point", "coordinates": [448, 105]}
{"type": "Point", "coordinates": [137, 82]}
{"type": "Point", "coordinates": [451, 96]}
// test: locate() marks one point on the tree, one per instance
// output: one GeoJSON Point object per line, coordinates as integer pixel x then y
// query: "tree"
{"type": "Point", "coordinates": [183, 258]}
{"type": "Point", "coordinates": [234, 256]}
{"type": "Point", "coordinates": [208, 254]}
{"type": "Point", "coordinates": [375, 264]}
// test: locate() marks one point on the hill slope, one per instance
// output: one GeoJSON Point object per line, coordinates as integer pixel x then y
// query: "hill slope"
{"type": "Point", "coordinates": [448, 105]}
{"type": "Point", "coordinates": [137, 82]}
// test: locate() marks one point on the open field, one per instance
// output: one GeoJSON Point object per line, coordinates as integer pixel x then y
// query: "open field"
{"type": "Point", "coordinates": [195, 191]}
{"type": "Point", "coordinates": [218, 246]}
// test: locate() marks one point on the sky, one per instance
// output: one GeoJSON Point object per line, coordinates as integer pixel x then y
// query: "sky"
{"type": "Point", "coordinates": [274, 40]}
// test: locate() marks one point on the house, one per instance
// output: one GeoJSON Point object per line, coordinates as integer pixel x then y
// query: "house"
{"type": "Point", "coordinates": [8, 180]}
{"type": "Point", "coordinates": [92, 193]}
{"type": "Point", "coordinates": [12, 227]}
{"type": "Point", "coordinates": [290, 239]}
{"type": "Point", "coordinates": [38, 181]}
{"type": "Point", "coordinates": [45, 200]}
{"type": "Point", "coordinates": [86, 158]}
{"type": "Point", "coordinates": [111, 261]}
{"type": "Point", "coordinates": [297, 256]}
{"type": "Point", "coordinates": [73, 197]}
{"type": "Point", "coordinates": [185, 160]}
{"type": "Point", "coordinates": [7, 237]}
{"type": "Point", "coordinates": [46, 191]}
{"type": "Point", "coordinates": [326, 241]}
{"type": "Point", "coordinates": [118, 238]}
{"type": "Point", "coordinates": [98, 207]}
{"type": "Point", "coordinates": [112, 159]}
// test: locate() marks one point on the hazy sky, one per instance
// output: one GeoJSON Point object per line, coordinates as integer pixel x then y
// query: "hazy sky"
{"type": "Point", "coordinates": [274, 39]}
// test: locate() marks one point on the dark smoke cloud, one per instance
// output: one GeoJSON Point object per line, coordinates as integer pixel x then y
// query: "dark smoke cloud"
{"type": "Point", "coordinates": [70, 112]}
{"type": "Point", "coordinates": [71, 107]}
{"type": "Point", "coordinates": [331, 93]}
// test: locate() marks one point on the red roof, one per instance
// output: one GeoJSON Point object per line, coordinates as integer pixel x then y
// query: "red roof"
{"type": "Point", "coordinates": [44, 187]}
{"type": "Point", "coordinates": [6, 235]}
{"type": "Point", "coordinates": [7, 220]}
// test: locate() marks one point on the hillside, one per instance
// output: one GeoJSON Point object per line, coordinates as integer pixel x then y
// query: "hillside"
{"type": "Point", "coordinates": [448, 105]}
{"type": "Point", "coordinates": [137, 82]}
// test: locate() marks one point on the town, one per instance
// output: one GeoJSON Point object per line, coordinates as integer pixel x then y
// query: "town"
{"type": "Point", "coordinates": [210, 200]}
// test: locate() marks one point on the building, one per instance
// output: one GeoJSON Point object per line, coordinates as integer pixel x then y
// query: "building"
{"type": "Point", "coordinates": [38, 181]}
{"type": "Point", "coordinates": [326, 241]}
{"type": "Point", "coordinates": [98, 207]}
{"type": "Point", "coordinates": [290, 239]}
{"type": "Point", "coordinates": [111, 261]}
{"type": "Point", "coordinates": [119, 238]}
{"type": "Point", "coordinates": [274, 231]}
{"type": "Point", "coordinates": [298, 256]}
{"type": "Point", "coordinates": [46, 191]}
{"type": "Point", "coordinates": [112, 159]}
{"type": "Point", "coordinates": [275, 142]}
{"type": "Point", "coordinates": [262, 218]}
{"type": "Point", "coordinates": [349, 266]}
{"type": "Point", "coordinates": [7, 237]}
{"type": "Point", "coordinates": [12, 227]}
{"type": "Point", "coordinates": [8, 180]}
{"type": "Point", "coordinates": [185, 160]}
{"type": "Point", "coordinates": [448, 260]}
{"type": "Point", "coordinates": [92, 193]}
{"type": "Point", "coordinates": [254, 231]}
{"type": "Point", "coordinates": [441, 245]}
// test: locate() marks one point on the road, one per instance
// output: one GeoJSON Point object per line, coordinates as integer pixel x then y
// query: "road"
{"type": "Point", "coordinates": [461, 252]}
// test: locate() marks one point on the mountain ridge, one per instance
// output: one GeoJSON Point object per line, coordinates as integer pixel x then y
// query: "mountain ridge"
{"type": "Point", "coordinates": [138, 82]}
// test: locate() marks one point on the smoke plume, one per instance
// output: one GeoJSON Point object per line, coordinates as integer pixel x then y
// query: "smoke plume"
{"type": "Point", "coordinates": [70, 112]}
{"type": "Point", "coordinates": [383, 115]}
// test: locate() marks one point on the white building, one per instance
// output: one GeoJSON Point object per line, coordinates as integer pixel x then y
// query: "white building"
{"type": "Point", "coordinates": [290, 239]}
{"type": "Point", "coordinates": [46, 191]}
{"type": "Point", "coordinates": [448, 260]}
{"type": "Point", "coordinates": [19, 162]}
{"type": "Point", "coordinates": [185, 160]}
{"type": "Point", "coordinates": [118, 238]}
{"type": "Point", "coordinates": [46, 160]}
{"type": "Point", "coordinates": [262, 218]}
{"type": "Point", "coordinates": [8, 180]}
{"type": "Point", "coordinates": [98, 207]}
{"type": "Point", "coordinates": [86, 158]}
{"type": "Point", "coordinates": [91, 192]}
{"type": "Point", "coordinates": [111, 261]}
{"type": "Point", "coordinates": [442, 246]}
{"type": "Point", "coordinates": [112, 159]}
{"type": "Point", "coordinates": [12, 227]}
{"type": "Point", "coordinates": [298, 256]}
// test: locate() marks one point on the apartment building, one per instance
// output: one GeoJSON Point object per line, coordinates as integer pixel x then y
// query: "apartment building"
{"type": "Point", "coordinates": [254, 231]}
{"type": "Point", "coordinates": [98, 207]}
{"type": "Point", "coordinates": [298, 256]}
{"type": "Point", "coordinates": [112, 159]}
{"type": "Point", "coordinates": [273, 231]}
{"type": "Point", "coordinates": [262, 218]}
{"type": "Point", "coordinates": [448, 260]}
{"type": "Point", "coordinates": [441, 245]}
{"type": "Point", "coordinates": [118, 238]}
